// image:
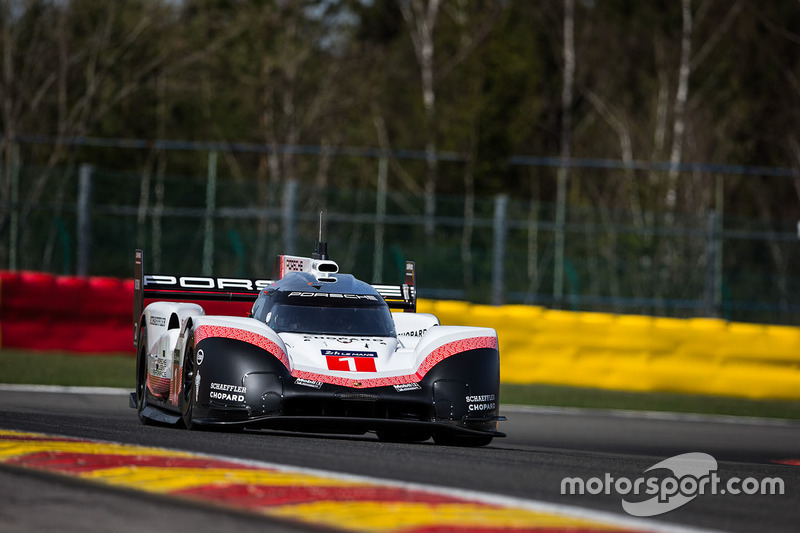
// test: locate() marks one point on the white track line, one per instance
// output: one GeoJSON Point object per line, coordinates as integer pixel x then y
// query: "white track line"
{"type": "Point", "coordinates": [649, 415]}
{"type": "Point", "coordinates": [108, 391]}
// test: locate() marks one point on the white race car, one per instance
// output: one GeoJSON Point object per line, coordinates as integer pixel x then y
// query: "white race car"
{"type": "Point", "coordinates": [319, 352]}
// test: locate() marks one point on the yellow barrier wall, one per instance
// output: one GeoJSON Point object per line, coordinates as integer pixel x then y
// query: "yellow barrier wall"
{"type": "Point", "coordinates": [636, 353]}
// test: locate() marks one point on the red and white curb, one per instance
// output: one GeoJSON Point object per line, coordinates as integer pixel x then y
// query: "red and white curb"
{"type": "Point", "coordinates": [314, 497]}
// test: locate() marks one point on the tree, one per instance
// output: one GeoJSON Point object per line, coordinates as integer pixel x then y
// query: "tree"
{"type": "Point", "coordinates": [421, 16]}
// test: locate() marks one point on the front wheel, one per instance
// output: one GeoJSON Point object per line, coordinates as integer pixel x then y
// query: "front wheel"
{"type": "Point", "coordinates": [141, 377]}
{"type": "Point", "coordinates": [188, 384]}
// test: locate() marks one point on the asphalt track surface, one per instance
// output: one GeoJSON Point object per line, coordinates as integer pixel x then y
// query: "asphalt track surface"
{"type": "Point", "coordinates": [543, 447]}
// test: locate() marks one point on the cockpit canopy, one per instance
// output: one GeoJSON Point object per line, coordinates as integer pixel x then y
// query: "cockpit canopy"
{"type": "Point", "coordinates": [324, 313]}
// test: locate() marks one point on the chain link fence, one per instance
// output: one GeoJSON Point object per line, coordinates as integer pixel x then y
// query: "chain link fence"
{"type": "Point", "coordinates": [88, 220]}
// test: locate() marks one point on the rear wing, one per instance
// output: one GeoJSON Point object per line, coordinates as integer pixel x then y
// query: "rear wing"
{"type": "Point", "coordinates": [190, 288]}
{"type": "Point", "coordinates": [402, 296]}
{"type": "Point", "coordinates": [161, 287]}
{"type": "Point", "coordinates": [397, 296]}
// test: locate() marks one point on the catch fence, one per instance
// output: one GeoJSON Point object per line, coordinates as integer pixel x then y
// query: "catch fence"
{"type": "Point", "coordinates": [88, 219]}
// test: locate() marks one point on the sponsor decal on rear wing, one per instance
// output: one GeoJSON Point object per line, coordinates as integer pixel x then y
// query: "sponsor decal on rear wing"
{"type": "Point", "coordinates": [167, 287]}
{"type": "Point", "coordinates": [402, 296]}
{"type": "Point", "coordinates": [397, 296]}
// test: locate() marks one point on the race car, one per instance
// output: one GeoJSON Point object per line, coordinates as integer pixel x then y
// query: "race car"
{"type": "Point", "coordinates": [319, 351]}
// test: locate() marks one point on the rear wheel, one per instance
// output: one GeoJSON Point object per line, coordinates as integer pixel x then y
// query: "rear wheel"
{"type": "Point", "coordinates": [141, 377]}
{"type": "Point", "coordinates": [188, 384]}
{"type": "Point", "coordinates": [449, 439]}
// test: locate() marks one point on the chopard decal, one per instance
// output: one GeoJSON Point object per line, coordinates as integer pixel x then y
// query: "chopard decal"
{"type": "Point", "coordinates": [230, 393]}
{"type": "Point", "coordinates": [485, 402]}
{"type": "Point", "coordinates": [417, 333]}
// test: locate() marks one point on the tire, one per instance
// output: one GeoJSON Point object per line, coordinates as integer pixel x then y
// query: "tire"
{"type": "Point", "coordinates": [187, 395]}
{"type": "Point", "coordinates": [141, 377]}
{"type": "Point", "coordinates": [472, 441]}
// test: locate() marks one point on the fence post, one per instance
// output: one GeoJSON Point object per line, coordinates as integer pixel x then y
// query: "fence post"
{"type": "Point", "coordinates": [560, 238]}
{"type": "Point", "coordinates": [719, 227]}
{"type": "Point", "coordinates": [499, 249]}
{"type": "Point", "coordinates": [380, 218]}
{"type": "Point", "coordinates": [84, 209]}
{"type": "Point", "coordinates": [288, 211]}
{"type": "Point", "coordinates": [712, 251]}
{"type": "Point", "coordinates": [211, 207]}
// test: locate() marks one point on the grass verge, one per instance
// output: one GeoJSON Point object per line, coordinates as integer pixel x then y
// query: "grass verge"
{"type": "Point", "coordinates": [49, 368]}
{"type": "Point", "coordinates": [117, 370]}
{"type": "Point", "coordinates": [555, 396]}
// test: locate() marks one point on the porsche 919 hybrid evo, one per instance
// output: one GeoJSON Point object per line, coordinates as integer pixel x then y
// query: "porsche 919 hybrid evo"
{"type": "Point", "coordinates": [318, 352]}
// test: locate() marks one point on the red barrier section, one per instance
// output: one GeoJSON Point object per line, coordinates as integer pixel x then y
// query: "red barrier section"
{"type": "Point", "coordinates": [45, 312]}
{"type": "Point", "coordinates": [41, 311]}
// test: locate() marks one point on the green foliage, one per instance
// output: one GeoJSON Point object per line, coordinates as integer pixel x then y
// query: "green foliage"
{"type": "Point", "coordinates": [342, 73]}
{"type": "Point", "coordinates": [319, 71]}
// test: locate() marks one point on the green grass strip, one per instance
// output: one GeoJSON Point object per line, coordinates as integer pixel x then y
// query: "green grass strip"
{"type": "Point", "coordinates": [117, 370]}
{"type": "Point", "coordinates": [556, 396]}
{"type": "Point", "coordinates": [49, 368]}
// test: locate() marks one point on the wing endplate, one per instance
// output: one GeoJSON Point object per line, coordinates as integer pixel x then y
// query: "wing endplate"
{"type": "Point", "coordinates": [402, 296]}
{"type": "Point", "coordinates": [188, 288]}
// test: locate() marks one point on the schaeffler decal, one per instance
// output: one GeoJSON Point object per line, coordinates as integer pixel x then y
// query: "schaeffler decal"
{"type": "Point", "coordinates": [224, 387]}
{"type": "Point", "coordinates": [206, 331]}
{"type": "Point", "coordinates": [485, 402]}
{"type": "Point", "coordinates": [228, 393]}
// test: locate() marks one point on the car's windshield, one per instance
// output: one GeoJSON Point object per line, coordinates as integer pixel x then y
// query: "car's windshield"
{"type": "Point", "coordinates": [362, 321]}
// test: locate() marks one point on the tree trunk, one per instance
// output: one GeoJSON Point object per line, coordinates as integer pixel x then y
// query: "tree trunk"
{"type": "Point", "coordinates": [421, 20]}
{"type": "Point", "coordinates": [566, 149]}
{"type": "Point", "coordinates": [681, 96]}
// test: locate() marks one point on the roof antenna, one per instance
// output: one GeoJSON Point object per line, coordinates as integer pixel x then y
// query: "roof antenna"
{"type": "Point", "coordinates": [321, 250]}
